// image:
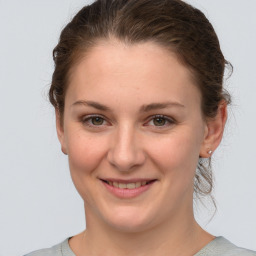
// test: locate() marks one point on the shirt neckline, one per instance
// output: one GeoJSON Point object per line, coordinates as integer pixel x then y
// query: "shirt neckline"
{"type": "Point", "coordinates": [67, 251]}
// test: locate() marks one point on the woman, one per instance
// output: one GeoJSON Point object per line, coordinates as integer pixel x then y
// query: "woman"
{"type": "Point", "coordinates": [140, 106]}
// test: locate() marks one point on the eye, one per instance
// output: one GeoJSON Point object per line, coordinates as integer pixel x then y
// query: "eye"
{"type": "Point", "coordinates": [160, 121]}
{"type": "Point", "coordinates": [97, 120]}
{"type": "Point", "coordinates": [94, 121]}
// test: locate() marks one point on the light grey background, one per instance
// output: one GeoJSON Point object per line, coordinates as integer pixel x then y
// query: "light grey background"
{"type": "Point", "coordinates": [38, 203]}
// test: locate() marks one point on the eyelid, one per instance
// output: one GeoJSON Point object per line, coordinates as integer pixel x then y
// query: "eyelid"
{"type": "Point", "coordinates": [167, 118]}
{"type": "Point", "coordinates": [86, 118]}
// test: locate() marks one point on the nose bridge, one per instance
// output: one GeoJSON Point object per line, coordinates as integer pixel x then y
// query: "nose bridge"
{"type": "Point", "coordinates": [126, 151]}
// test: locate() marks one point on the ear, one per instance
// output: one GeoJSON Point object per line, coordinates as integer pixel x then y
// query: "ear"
{"type": "Point", "coordinates": [60, 131]}
{"type": "Point", "coordinates": [214, 131]}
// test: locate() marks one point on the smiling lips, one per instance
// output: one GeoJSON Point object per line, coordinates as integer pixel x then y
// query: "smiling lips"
{"type": "Point", "coordinates": [127, 189]}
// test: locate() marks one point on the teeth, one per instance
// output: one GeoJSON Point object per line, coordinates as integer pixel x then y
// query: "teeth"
{"type": "Point", "coordinates": [131, 185]}
{"type": "Point", "coordinates": [122, 185]}
{"type": "Point", "coordinates": [138, 184]}
{"type": "Point", "coordinates": [127, 185]}
{"type": "Point", "coordinates": [115, 184]}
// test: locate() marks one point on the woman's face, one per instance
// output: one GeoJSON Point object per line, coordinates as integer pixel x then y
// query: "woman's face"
{"type": "Point", "coordinates": [133, 131]}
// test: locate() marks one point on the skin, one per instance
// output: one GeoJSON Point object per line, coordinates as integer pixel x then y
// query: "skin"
{"type": "Point", "coordinates": [129, 142]}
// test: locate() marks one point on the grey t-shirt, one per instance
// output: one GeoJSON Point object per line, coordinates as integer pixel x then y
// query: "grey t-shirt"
{"type": "Point", "coordinates": [217, 247]}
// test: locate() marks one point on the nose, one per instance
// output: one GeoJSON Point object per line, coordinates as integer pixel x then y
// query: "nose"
{"type": "Point", "coordinates": [126, 152]}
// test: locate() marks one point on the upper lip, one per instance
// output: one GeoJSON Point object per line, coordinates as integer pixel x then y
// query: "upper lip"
{"type": "Point", "coordinates": [126, 181]}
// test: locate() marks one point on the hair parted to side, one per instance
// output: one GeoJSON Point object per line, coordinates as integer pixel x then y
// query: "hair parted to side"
{"type": "Point", "coordinates": [173, 24]}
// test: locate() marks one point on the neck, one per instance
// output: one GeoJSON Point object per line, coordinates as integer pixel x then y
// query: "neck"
{"type": "Point", "coordinates": [180, 235]}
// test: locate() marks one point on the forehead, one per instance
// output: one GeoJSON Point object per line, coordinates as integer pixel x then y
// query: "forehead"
{"type": "Point", "coordinates": [145, 70]}
{"type": "Point", "coordinates": [116, 57]}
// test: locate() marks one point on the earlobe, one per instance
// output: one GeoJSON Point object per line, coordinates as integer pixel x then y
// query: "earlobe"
{"type": "Point", "coordinates": [214, 131]}
{"type": "Point", "coordinates": [60, 132]}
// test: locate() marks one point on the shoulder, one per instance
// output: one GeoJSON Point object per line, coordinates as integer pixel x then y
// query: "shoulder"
{"type": "Point", "coordinates": [61, 249]}
{"type": "Point", "coordinates": [223, 247]}
{"type": "Point", "coordinates": [53, 251]}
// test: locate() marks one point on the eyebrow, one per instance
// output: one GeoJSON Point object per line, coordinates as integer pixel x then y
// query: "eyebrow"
{"type": "Point", "coordinates": [153, 106]}
{"type": "Point", "coordinates": [143, 108]}
{"type": "Point", "coordinates": [91, 104]}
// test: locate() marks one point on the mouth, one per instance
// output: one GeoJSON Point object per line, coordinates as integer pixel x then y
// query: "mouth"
{"type": "Point", "coordinates": [128, 185]}
{"type": "Point", "coordinates": [127, 189]}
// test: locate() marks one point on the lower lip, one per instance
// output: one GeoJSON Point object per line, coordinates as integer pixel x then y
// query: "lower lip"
{"type": "Point", "coordinates": [125, 192]}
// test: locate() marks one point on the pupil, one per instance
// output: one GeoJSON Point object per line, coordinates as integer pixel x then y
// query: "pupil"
{"type": "Point", "coordinates": [159, 121]}
{"type": "Point", "coordinates": [97, 120]}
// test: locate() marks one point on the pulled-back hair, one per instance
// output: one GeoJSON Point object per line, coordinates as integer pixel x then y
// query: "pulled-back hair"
{"type": "Point", "coordinates": [173, 24]}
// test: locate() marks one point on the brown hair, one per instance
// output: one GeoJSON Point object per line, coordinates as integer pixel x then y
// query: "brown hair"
{"type": "Point", "coordinates": [172, 24]}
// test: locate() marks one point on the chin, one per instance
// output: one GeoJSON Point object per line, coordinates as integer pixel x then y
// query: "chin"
{"type": "Point", "coordinates": [129, 219]}
{"type": "Point", "coordinates": [129, 227]}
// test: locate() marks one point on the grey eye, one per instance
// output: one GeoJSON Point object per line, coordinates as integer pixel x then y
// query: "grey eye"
{"type": "Point", "coordinates": [97, 120]}
{"type": "Point", "coordinates": [159, 121]}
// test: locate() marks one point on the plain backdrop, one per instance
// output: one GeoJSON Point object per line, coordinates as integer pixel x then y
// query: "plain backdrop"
{"type": "Point", "coordinates": [39, 206]}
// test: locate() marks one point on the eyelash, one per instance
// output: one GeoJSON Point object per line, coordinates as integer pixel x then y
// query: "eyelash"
{"type": "Point", "coordinates": [87, 121]}
{"type": "Point", "coordinates": [167, 119]}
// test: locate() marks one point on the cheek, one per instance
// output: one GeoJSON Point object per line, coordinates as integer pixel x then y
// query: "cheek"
{"type": "Point", "coordinates": [177, 159]}
{"type": "Point", "coordinates": [176, 155]}
{"type": "Point", "coordinates": [85, 152]}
